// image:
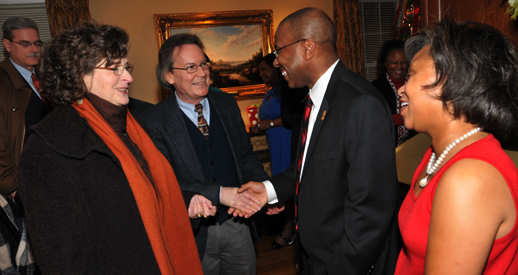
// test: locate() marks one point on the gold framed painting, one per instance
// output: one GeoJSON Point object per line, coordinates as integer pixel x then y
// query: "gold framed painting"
{"type": "Point", "coordinates": [235, 42]}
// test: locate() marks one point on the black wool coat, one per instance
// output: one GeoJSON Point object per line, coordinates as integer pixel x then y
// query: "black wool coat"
{"type": "Point", "coordinates": [81, 214]}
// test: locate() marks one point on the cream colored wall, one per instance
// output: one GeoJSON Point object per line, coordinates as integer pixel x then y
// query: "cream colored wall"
{"type": "Point", "coordinates": [136, 16]}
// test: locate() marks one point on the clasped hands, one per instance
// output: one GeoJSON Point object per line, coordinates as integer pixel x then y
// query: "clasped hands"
{"type": "Point", "coordinates": [249, 199]}
{"type": "Point", "coordinates": [242, 202]}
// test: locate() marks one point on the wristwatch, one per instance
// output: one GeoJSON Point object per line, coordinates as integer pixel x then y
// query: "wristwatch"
{"type": "Point", "coordinates": [272, 124]}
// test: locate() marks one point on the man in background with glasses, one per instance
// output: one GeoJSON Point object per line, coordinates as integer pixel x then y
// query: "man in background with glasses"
{"type": "Point", "coordinates": [202, 134]}
{"type": "Point", "coordinates": [21, 106]}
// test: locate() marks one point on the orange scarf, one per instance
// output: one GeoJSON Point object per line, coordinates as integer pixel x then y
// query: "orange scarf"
{"type": "Point", "coordinates": [161, 206]}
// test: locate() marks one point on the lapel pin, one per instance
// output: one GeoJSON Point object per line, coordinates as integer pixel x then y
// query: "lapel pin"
{"type": "Point", "coordinates": [323, 115]}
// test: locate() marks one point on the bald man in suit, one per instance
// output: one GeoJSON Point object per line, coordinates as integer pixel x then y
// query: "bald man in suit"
{"type": "Point", "coordinates": [345, 182]}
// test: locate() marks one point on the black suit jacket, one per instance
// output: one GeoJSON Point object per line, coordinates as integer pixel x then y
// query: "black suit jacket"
{"type": "Point", "coordinates": [167, 129]}
{"type": "Point", "coordinates": [348, 194]}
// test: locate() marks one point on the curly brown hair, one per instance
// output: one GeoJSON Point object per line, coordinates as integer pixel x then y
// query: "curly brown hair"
{"type": "Point", "coordinates": [73, 53]}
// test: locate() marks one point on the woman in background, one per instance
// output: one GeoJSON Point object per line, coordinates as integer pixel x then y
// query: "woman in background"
{"type": "Point", "coordinates": [393, 67]}
{"type": "Point", "coordinates": [98, 195]}
{"type": "Point", "coordinates": [460, 214]}
{"type": "Point", "coordinates": [278, 137]}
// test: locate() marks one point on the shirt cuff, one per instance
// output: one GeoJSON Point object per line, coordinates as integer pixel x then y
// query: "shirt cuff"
{"type": "Point", "coordinates": [270, 191]}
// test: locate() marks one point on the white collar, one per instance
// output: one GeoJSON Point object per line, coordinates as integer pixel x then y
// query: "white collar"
{"type": "Point", "coordinates": [319, 89]}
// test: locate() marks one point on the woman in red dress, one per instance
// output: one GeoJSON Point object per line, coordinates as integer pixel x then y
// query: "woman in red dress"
{"type": "Point", "coordinates": [459, 216]}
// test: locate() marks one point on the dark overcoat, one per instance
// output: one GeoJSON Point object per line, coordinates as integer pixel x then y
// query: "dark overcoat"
{"type": "Point", "coordinates": [81, 215]}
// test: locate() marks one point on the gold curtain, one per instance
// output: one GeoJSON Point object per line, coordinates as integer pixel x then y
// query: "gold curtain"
{"type": "Point", "coordinates": [348, 22]}
{"type": "Point", "coordinates": [66, 13]}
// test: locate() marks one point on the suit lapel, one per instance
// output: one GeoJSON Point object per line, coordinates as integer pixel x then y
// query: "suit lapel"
{"type": "Point", "coordinates": [177, 130]}
{"type": "Point", "coordinates": [324, 108]}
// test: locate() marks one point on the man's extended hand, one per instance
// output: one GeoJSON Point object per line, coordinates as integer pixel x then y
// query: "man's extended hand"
{"type": "Point", "coordinates": [254, 189]}
{"type": "Point", "coordinates": [243, 202]}
{"type": "Point", "coordinates": [274, 209]}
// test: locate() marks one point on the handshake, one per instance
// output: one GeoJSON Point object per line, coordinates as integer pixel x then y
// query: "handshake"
{"type": "Point", "coordinates": [247, 200]}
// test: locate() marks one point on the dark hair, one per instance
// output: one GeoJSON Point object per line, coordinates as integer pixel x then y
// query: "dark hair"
{"type": "Point", "coordinates": [71, 55]}
{"type": "Point", "coordinates": [166, 58]}
{"type": "Point", "coordinates": [207, 57]}
{"type": "Point", "coordinates": [277, 76]}
{"type": "Point", "coordinates": [17, 23]}
{"type": "Point", "coordinates": [476, 65]}
{"type": "Point", "coordinates": [268, 59]}
{"type": "Point", "coordinates": [386, 47]}
{"type": "Point", "coordinates": [312, 23]}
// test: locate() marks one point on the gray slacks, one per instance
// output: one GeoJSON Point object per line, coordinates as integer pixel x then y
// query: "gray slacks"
{"type": "Point", "coordinates": [229, 250]}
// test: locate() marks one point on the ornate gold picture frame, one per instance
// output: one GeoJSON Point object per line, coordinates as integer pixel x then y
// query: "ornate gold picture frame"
{"type": "Point", "coordinates": [235, 41]}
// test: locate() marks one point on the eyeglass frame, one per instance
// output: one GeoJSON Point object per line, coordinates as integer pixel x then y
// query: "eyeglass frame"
{"type": "Point", "coordinates": [128, 67]}
{"type": "Point", "coordinates": [276, 52]}
{"type": "Point", "coordinates": [194, 67]}
{"type": "Point", "coordinates": [29, 44]}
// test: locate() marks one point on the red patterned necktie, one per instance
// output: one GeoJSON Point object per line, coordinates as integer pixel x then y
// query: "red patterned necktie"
{"type": "Point", "coordinates": [305, 124]}
{"type": "Point", "coordinates": [202, 123]}
{"type": "Point", "coordinates": [37, 86]}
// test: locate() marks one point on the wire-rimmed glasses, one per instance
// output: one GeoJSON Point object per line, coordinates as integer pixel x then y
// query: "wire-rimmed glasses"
{"type": "Point", "coordinates": [118, 69]}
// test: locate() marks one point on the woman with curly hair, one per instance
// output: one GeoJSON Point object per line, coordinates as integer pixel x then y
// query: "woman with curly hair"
{"type": "Point", "coordinates": [460, 214]}
{"type": "Point", "coordinates": [98, 195]}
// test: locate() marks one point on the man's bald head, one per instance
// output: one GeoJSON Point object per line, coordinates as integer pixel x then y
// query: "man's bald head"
{"type": "Point", "coordinates": [311, 23]}
{"type": "Point", "coordinates": [305, 44]}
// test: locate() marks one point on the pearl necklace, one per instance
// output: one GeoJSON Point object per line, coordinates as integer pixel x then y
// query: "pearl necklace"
{"type": "Point", "coordinates": [433, 164]}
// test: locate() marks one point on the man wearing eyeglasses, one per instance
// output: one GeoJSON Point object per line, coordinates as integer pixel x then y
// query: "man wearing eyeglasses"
{"type": "Point", "coordinates": [344, 181]}
{"type": "Point", "coordinates": [202, 134]}
{"type": "Point", "coordinates": [21, 106]}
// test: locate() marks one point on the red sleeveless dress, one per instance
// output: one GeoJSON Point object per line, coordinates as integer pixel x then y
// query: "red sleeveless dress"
{"type": "Point", "coordinates": [415, 213]}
